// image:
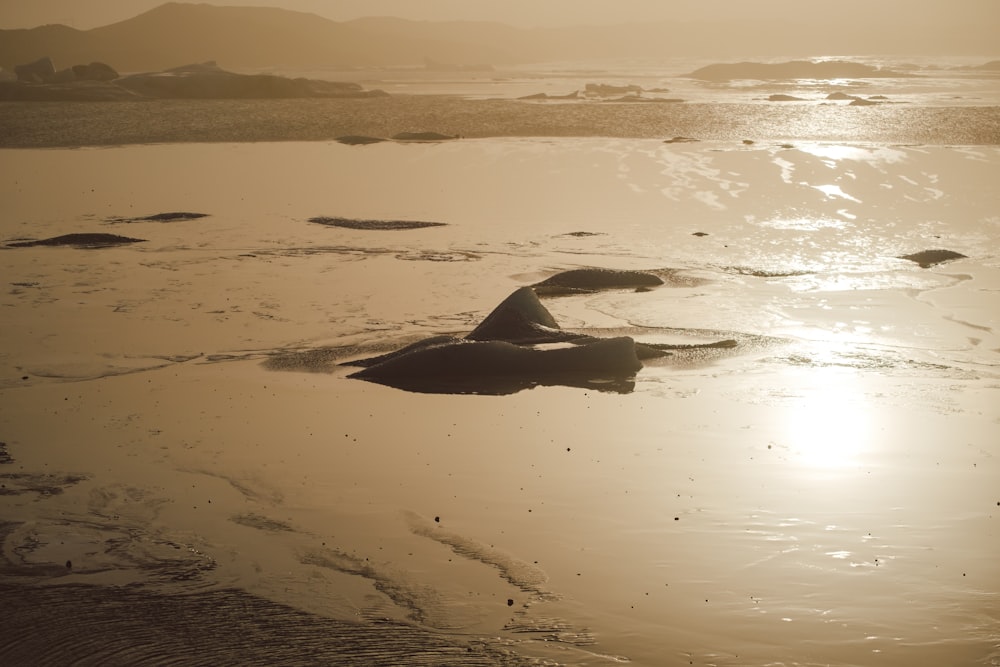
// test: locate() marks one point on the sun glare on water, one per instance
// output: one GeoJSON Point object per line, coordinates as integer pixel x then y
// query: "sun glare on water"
{"type": "Point", "coordinates": [829, 426]}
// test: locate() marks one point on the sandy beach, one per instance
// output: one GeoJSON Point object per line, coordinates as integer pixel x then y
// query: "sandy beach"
{"type": "Point", "coordinates": [181, 447]}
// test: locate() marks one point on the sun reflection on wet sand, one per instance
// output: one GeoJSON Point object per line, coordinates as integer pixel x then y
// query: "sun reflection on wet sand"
{"type": "Point", "coordinates": [829, 426]}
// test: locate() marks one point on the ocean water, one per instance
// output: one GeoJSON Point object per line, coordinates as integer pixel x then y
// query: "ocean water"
{"type": "Point", "coordinates": [188, 459]}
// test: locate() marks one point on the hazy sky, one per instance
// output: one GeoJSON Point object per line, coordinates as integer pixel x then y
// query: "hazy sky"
{"type": "Point", "coordinates": [91, 13]}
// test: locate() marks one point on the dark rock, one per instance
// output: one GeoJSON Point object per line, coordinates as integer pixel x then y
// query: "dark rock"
{"type": "Point", "coordinates": [94, 72]}
{"type": "Point", "coordinates": [173, 216]}
{"type": "Point", "coordinates": [928, 258]}
{"type": "Point", "coordinates": [545, 96]}
{"type": "Point", "coordinates": [608, 90]}
{"type": "Point", "coordinates": [699, 234]}
{"type": "Point", "coordinates": [778, 97]}
{"type": "Point", "coordinates": [521, 318]}
{"type": "Point", "coordinates": [209, 81]}
{"type": "Point", "coordinates": [375, 225]}
{"type": "Point", "coordinates": [79, 240]}
{"type": "Point", "coordinates": [841, 96]}
{"type": "Point", "coordinates": [861, 102]}
{"type": "Point", "coordinates": [680, 140]}
{"type": "Point", "coordinates": [359, 140]}
{"type": "Point", "coordinates": [498, 356]}
{"type": "Point", "coordinates": [38, 71]}
{"type": "Point", "coordinates": [497, 366]}
{"type": "Point", "coordinates": [597, 279]}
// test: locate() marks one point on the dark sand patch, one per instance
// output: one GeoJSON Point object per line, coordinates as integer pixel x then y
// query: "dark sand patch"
{"type": "Point", "coordinates": [359, 140]}
{"type": "Point", "coordinates": [524, 576]}
{"type": "Point", "coordinates": [928, 258]}
{"type": "Point", "coordinates": [5, 457]}
{"type": "Point", "coordinates": [79, 240]}
{"type": "Point", "coordinates": [172, 216]}
{"type": "Point", "coordinates": [375, 225]}
{"type": "Point", "coordinates": [582, 234]}
{"type": "Point", "coordinates": [439, 256]}
{"type": "Point", "coordinates": [44, 484]}
{"type": "Point", "coordinates": [419, 602]}
{"type": "Point", "coordinates": [260, 522]}
{"type": "Point", "coordinates": [69, 624]}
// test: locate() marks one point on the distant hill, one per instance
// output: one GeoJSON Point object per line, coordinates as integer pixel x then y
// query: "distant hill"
{"type": "Point", "coordinates": [260, 37]}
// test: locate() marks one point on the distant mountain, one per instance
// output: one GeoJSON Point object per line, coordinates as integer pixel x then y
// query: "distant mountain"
{"type": "Point", "coordinates": [262, 37]}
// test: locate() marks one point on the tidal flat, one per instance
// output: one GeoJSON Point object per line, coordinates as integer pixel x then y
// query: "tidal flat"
{"type": "Point", "coordinates": [823, 492]}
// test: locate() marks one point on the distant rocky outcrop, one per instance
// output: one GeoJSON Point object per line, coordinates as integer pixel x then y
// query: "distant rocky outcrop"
{"type": "Point", "coordinates": [796, 69]}
{"type": "Point", "coordinates": [208, 80]}
{"type": "Point", "coordinates": [779, 97]}
{"type": "Point", "coordinates": [609, 90]}
{"type": "Point", "coordinates": [38, 71]}
{"type": "Point", "coordinates": [98, 81]}
{"type": "Point", "coordinates": [43, 71]}
{"type": "Point", "coordinates": [991, 66]}
{"type": "Point", "coordinates": [575, 95]}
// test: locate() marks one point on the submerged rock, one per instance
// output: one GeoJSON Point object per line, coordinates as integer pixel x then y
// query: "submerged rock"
{"type": "Point", "coordinates": [377, 225]}
{"type": "Point", "coordinates": [591, 280]}
{"type": "Point", "coordinates": [79, 240]}
{"type": "Point", "coordinates": [172, 216]}
{"type": "Point", "coordinates": [499, 367]}
{"type": "Point", "coordinates": [359, 140]}
{"type": "Point", "coordinates": [499, 356]}
{"type": "Point", "coordinates": [209, 81]}
{"type": "Point", "coordinates": [517, 346]}
{"type": "Point", "coordinates": [928, 258]}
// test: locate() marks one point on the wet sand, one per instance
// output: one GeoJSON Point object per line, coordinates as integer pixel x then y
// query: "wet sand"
{"type": "Point", "coordinates": [745, 116]}
{"type": "Point", "coordinates": [824, 493]}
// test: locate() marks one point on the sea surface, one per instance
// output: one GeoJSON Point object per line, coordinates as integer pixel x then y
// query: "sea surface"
{"type": "Point", "coordinates": [189, 476]}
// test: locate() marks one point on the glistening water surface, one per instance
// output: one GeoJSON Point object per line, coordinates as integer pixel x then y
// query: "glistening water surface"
{"type": "Point", "coordinates": [823, 493]}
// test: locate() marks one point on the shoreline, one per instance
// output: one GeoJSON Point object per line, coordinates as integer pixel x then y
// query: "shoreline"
{"type": "Point", "coordinates": [116, 123]}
